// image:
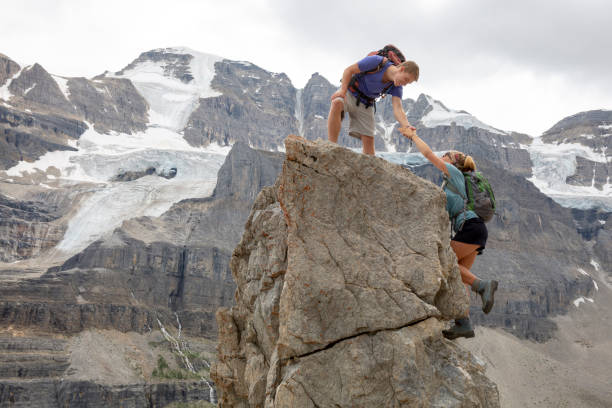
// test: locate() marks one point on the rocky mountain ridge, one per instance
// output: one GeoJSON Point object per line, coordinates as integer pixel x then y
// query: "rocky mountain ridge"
{"type": "Point", "coordinates": [176, 266]}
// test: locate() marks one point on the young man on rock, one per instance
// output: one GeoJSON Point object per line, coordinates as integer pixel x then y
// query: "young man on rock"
{"type": "Point", "coordinates": [362, 83]}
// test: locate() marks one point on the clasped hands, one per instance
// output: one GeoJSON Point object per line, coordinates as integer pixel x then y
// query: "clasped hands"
{"type": "Point", "coordinates": [409, 131]}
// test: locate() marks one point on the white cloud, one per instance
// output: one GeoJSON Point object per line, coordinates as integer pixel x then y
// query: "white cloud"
{"type": "Point", "coordinates": [518, 65]}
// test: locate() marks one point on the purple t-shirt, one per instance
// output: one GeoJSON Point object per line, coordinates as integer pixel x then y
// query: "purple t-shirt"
{"type": "Point", "coordinates": [372, 84]}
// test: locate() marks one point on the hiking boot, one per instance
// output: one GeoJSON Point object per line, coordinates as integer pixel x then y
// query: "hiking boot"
{"type": "Point", "coordinates": [486, 289]}
{"type": "Point", "coordinates": [462, 328]}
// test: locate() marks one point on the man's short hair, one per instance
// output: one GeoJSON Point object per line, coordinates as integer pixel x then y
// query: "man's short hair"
{"type": "Point", "coordinates": [412, 68]}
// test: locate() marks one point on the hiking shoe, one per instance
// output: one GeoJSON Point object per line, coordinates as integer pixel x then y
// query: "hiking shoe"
{"type": "Point", "coordinates": [461, 328]}
{"type": "Point", "coordinates": [486, 289]}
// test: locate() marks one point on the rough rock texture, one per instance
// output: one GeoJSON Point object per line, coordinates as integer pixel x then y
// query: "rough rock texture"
{"type": "Point", "coordinates": [591, 173]}
{"type": "Point", "coordinates": [111, 104]}
{"type": "Point", "coordinates": [134, 175]}
{"type": "Point", "coordinates": [342, 274]}
{"type": "Point", "coordinates": [35, 371]}
{"type": "Point", "coordinates": [27, 136]}
{"type": "Point", "coordinates": [175, 65]}
{"type": "Point", "coordinates": [8, 68]}
{"type": "Point", "coordinates": [257, 107]}
{"type": "Point", "coordinates": [36, 88]}
{"type": "Point", "coordinates": [27, 228]}
{"type": "Point", "coordinates": [590, 128]}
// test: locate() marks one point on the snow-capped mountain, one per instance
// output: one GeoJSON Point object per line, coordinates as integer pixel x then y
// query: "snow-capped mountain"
{"type": "Point", "coordinates": [106, 191]}
{"type": "Point", "coordinates": [181, 110]}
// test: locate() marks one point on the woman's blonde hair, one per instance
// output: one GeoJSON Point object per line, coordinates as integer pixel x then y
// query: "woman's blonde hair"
{"type": "Point", "coordinates": [461, 161]}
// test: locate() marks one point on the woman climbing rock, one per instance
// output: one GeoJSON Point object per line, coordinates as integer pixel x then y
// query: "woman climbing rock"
{"type": "Point", "coordinates": [470, 230]}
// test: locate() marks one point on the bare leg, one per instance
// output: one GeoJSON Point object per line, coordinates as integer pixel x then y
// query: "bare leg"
{"type": "Point", "coordinates": [334, 119]}
{"type": "Point", "coordinates": [466, 254]}
{"type": "Point", "coordinates": [368, 144]}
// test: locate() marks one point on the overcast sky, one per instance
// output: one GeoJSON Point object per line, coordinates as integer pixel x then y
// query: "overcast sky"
{"type": "Point", "coordinates": [516, 65]}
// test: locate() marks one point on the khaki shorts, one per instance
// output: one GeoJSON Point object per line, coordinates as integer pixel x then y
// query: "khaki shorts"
{"type": "Point", "coordinates": [361, 119]}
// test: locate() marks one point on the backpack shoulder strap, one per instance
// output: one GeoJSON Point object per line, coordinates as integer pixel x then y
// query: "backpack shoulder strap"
{"type": "Point", "coordinates": [451, 187]}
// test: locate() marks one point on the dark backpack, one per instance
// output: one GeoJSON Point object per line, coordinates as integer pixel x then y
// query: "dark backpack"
{"type": "Point", "coordinates": [480, 197]}
{"type": "Point", "coordinates": [389, 53]}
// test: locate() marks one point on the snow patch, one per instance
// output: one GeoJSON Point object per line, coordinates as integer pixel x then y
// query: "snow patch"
{"type": "Point", "coordinates": [595, 285]}
{"type": "Point", "coordinates": [172, 101]}
{"type": "Point", "coordinates": [299, 111]}
{"type": "Point", "coordinates": [595, 265]}
{"type": "Point", "coordinates": [29, 89]}
{"type": "Point", "coordinates": [63, 85]}
{"type": "Point", "coordinates": [582, 271]}
{"type": "Point", "coordinates": [582, 299]}
{"type": "Point", "coordinates": [5, 93]}
{"type": "Point", "coordinates": [387, 135]}
{"type": "Point", "coordinates": [441, 116]}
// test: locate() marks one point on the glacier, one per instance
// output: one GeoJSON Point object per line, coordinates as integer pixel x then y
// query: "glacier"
{"type": "Point", "coordinates": [553, 163]}
{"type": "Point", "coordinates": [170, 100]}
{"type": "Point", "coordinates": [100, 157]}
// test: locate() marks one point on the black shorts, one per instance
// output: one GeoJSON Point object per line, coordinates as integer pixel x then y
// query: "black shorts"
{"type": "Point", "coordinates": [474, 232]}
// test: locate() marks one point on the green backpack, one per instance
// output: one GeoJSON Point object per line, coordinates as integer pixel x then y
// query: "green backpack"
{"type": "Point", "coordinates": [480, 197]}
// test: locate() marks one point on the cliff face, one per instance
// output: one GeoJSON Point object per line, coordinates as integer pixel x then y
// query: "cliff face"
{"type": "Point", "coordinates": [171, 269]}
{"type": "Point", "coordinates": [343, 275]}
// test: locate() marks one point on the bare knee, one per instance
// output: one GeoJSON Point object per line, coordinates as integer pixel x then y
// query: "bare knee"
{"type": "Point", "coordinates": [337, 106]}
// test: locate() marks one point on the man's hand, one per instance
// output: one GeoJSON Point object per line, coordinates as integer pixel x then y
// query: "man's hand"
{"type": "Point", "coordinates": [338, 94]}
{"type": "Point", "coordinates": [409, 131]}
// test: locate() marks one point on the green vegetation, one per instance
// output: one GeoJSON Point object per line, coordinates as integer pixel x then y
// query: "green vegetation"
{"type": "Point", "coordinates": [164, 371]}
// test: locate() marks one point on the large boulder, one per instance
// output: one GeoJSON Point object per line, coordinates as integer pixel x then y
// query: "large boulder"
{"type": "Point", "coordinates": [345, 277]}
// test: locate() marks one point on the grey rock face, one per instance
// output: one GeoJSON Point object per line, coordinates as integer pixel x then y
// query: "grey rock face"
{"type": "Point", "coordinates": [175, 65]}
{"type": "Point", "coordinates": [51, 393]}
{"type": "Point", "coordinates": [590, 173]}
{"type": "Point", "coordinates": [587, 128]}
{"type": "Point", "coordinates": [110, 104]}
{"type": "Point", "coordinates": [27, 228]}
{"type": "Point", "coordinates": [590, 222]}
{"type": "Point", "coordinates": [135, 175]}
{"type": "Point", "coordinates": [36, 88]}
{"type": "Point", "coordinates": [257, 107]}
{"type": "Point", "coordinates": [339, 289]}
{"type": "Point", "coordinates": [27, 136]}
{"type": "Point", "coordinates": [479, 143]}
{"type": "Point", "coordinates": [315, 101]}
{"type": "Point", "coordinates": [8, 68]}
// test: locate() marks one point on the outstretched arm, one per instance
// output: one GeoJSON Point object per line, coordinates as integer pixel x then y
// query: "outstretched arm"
{"type": "Point", "coordinates": [398, 112]}
{"type": "Point", "coordinates": [346, 78]}
{"type": "Point", "coordinates": [425, 150]}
